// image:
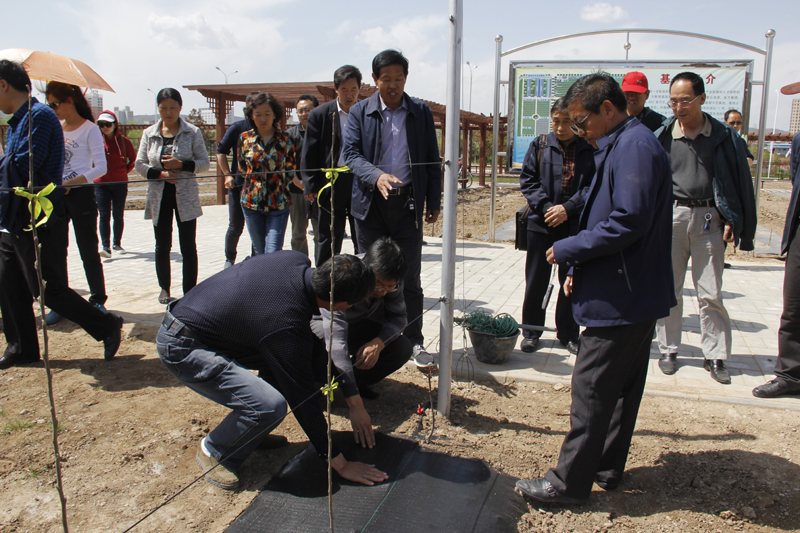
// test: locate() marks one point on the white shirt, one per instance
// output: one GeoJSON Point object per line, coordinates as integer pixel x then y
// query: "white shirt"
{"type": "Point", "coordinates": [344, 116]}
{"type": "Point", "coordinates": [84, 153]}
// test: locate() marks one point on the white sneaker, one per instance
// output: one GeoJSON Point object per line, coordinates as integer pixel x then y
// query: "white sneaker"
{"type": "Point", "coordinates": [422, 358]}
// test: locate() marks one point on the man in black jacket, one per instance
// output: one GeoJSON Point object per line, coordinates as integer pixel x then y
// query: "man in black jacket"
{"type": "Point", "coordinates": [637, 91]}
{"type": "Point", "coordinates": [555, 178]}
{"type": "Point", "coordinates": [322, 148]}
{"type": "Point", "coordinates": [298, 212]}
{"type": "Point", "coordinates": [787, 367]}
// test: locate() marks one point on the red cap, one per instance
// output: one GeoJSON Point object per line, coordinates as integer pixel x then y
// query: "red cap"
{"type": "Point", "coordinates": [635, 82]}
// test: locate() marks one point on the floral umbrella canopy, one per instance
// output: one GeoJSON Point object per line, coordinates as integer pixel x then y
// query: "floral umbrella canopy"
{"type": "Point", "coordinates": [47, 66]}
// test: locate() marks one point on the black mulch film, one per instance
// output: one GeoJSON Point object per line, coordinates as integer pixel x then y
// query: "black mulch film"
{"type": "Point", "coordinates": [426, 491]}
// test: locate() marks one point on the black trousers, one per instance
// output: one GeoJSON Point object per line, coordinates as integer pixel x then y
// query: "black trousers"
{"type": "Point", "coordinates": [392, 218]}
{"type": "Point", "coordinates": [787, 367]}
{"type": "Point", "coordinates": [187, 232]}
{"type": "Point", "coordinates": [537, 278]}
{"type": "Point", "coordinates": [235, 223]}
{"type": "Point", "coordinates": [80, 207]}
{"type": "Point", "coordinates": [341, 213]}
{"type": "Point", "coordinates": [607, 387]}
{"type": "Point", "coordinates": [19, 286]}
{"type": "Point", "coordinates": [111, 203]}
{"type": "Point", "coordinates": [393, 356]}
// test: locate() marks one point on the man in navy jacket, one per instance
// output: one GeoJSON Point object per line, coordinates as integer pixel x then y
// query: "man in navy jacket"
{"type": "Point", "coordinates": [390, 144]}
{"type": "Point", "coordinates": [787, 367]}
{"type": "Point", "coordinates": [621, 283]}
{"type": "Point", "coordinates": [555, 190]}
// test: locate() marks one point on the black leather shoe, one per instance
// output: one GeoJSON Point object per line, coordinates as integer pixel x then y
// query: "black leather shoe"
{"type": "Point", "coordinates": [668, 363]}
{"type": "Point", "coordinates": [543, 491]}
{"type": "Point", "coordinates": [112, 342]}
{"type": "Point", "coordinates": [771, 389]}
{"type": "Point", "coordinates": [718, 370]}
{"type": "Point", "coordinates": [273, 442]}
{"type": "Point", "coordinates": [571, 346]}
{"type": "Point", "coordinates": [528, 344]}
{"type": "Point", "coordinates": [608, 484]}
{"type": "Point", "coordinates": [11, 359]}
{"type": "Point", "coordinates": [368, 393]}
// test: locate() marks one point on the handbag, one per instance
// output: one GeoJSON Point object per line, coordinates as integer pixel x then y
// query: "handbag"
{"type": "Point", "coordinates": [521, 234]}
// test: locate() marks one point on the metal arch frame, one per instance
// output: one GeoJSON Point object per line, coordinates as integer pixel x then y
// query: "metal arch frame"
{"type": "Point", "coordinates": [770, 36]}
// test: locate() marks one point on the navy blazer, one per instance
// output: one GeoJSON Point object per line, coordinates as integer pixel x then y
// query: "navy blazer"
{"type": "Point", "coordinates": [362, 151]}
{"type": "Point", "coordinates": [622, 256]}
{"type": "Point", "coordinates": [792, 214]}
{"type": "Point", "coordinates": [321, 146]}
{"type": "Point", "coordinates": [542, 187]}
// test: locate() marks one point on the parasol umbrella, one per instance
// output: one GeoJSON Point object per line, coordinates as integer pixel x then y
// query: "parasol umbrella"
{"type": "Point", "coordinates": [47, 66]}
{"type": "Point", "coordinates": [792, 88]}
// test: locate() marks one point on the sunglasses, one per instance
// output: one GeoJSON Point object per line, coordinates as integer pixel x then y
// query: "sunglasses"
{"type": "Point", "coordinates": [105, 124]}
{"type": "Point", "coordinates": [54, 105]}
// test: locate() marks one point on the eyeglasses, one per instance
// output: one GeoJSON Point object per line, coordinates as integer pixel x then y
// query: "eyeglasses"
{"type": "Point", "coordinates": [54, 105]}
{"type": "Point", "coordinates": [674, 104]}
{"type": "Point", "coordinates": [381, 288]}
{"type": "Point", "coordinates": [735, 123]}
{"type": "Point", "coordinates": [105, 124]}
{"type": "Point", "coordinates": [577, 127]}
{"type": "Point", "coordinates": [301, 111]}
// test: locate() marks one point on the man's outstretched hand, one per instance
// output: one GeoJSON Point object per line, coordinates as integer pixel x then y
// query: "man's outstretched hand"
{"type": "Point", "coordinates": [358, 472]}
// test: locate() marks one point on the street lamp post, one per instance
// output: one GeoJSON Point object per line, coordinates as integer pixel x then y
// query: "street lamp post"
{"type": "Point", "coordinates": [772, 143]}
{"type": "Point", "coordinates": [155, 106]}
{"type": "Point", "coordinates": [470, 85]}
{"type": "Point", "coordinates": [226, 75]}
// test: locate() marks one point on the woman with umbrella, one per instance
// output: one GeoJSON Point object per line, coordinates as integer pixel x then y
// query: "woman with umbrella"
{"type": "Point", "coordinates": [172, 149]}
{"type": "Point", "coordinates": [84, 161]}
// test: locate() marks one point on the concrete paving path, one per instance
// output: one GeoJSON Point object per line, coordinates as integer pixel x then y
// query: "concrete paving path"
{"type": "Point", "coordinates": [489, 276]}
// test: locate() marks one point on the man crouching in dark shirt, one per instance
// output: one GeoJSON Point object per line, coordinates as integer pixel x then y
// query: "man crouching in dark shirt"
{"type": "Point", "coordinates": [256, 315]}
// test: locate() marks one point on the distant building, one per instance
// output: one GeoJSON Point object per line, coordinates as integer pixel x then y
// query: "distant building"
{"type": "Point", "coordinates": [209, 117]}
{"type": "Point", "coordinates": [95, 100]}
{"type": "Point", "coordinates": [125, 116]}
{"type": "Point", "coordinates": [794, 121]}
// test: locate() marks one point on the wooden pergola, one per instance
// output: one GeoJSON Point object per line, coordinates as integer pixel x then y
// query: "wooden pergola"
{"type": "Point", "coordinates": [222, 97]}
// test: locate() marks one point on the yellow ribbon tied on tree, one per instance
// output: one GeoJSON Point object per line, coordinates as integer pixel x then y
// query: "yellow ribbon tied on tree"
{"type": "Point", "coordinates": [328, 389]}
{"type": "Point", "coordinates": [331, 174]}
{"type": "Point", "coordinates": [38, 203]}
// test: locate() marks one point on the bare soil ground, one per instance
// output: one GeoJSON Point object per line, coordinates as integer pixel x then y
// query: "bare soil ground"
{"type": "Point", "coordinates": [128, 435]}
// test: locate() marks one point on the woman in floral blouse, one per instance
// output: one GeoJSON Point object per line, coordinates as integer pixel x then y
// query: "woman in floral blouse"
{"type": "Point", "coordinates": [267, 161]}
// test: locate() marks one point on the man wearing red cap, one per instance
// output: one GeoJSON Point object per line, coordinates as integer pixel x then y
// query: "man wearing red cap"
{"type": "Point", "coordinates": [637, 91]}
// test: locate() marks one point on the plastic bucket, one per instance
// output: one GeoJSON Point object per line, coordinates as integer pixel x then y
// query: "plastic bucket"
{"type": "Point", "coordinates": [490, 349]}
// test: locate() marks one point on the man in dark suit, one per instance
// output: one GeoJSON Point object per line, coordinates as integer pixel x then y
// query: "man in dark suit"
{"type": "Point", "coordinates": [390, 144]}
{"type": "Point", "coordinates": [787, 367]}
{"type": "Point", "coordinates": [555, 177]}
{"type": "Point", "coordinates": [322, 148]}
{"type": "Point", "coordinates": [622, 282]}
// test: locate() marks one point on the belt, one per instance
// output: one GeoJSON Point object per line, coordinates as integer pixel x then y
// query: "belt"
{"type": "Point", "coordinates": [695, 203]}
{"type": "Point", "coordinates": [398, 191]}
{"type": "Point", "coordinates": [176, 327]}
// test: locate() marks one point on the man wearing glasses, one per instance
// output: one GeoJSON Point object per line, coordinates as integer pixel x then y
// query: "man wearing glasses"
{"type": "Point", "coordinates": [298, 212]}
{"type": "Point", "coordinates": [621, 282]}
{"type": "Point", "coordinates": [322, 148]}
{"type": "Point", "coordinates": [368, 344]}
{"type": "Point", "coordinates": [713, 203]}
{"type": "Point", "coordinates": [734, 119]}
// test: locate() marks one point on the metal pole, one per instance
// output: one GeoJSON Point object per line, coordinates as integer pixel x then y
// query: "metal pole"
{"type": "Point", "coordinates": [495, 130]}
{"type": "Point", "coordinates": [627, 45]}
{"type": "Point", "coordinates": [770, 35]}
{"type": "Point", "coordinates": [774, 124]}
{"type": "Point", "coordinates": [449, 208]}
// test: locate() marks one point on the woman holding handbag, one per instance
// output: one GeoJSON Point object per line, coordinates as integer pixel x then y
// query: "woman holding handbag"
{"type": "Point", "coordinates": [171, 152]}
{"type": "Point", "coordinates": [111, 196]}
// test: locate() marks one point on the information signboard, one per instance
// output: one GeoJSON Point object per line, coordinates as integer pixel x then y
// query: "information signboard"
{"type": "Point", "coordinates": [536, 85]}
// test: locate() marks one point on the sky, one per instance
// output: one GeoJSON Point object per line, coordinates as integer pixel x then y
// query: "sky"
{"type": "Point", "coordinates": [151, 44]}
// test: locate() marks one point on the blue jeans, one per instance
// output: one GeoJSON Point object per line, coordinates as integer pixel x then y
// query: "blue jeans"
{"type": "Point", "coordinates": [111, 202]}
{"type": "Point", "coordinates": [266, 229]}
{"type": "Point", "coordinates": [257, 407]}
